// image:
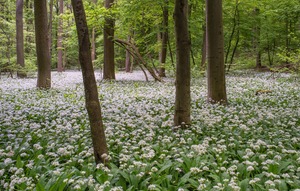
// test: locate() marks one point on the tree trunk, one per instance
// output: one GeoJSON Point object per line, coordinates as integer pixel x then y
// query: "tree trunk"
{"type": "Point", "coordinates": [128, 58]}
{"type": "Point", "coordinates": [42, 44]}
{"type": "Point", "coordinates": [215, 50]}
{"type": "Point", "coordinates": [164, 40]}
{"type": "Point", "coordinates": [90, 86]}
{"type": "Point", "coordinates": [60, 38]}
{"type": "Point", "coordinates": [232, 32]}
{"type": "Point", "coordinates": [257, 40]}
{"type": "Point", "coordinates": [204, 47]}
{"type": "Point", "coordinates": [94, 41]}
{"type": "Point", "coordinates": [50, 25]}
{"type": "Point", "coordinates": [109, 52]}
{"type": "Point", "coordinates": [183, 73]}
{"type": "Point", "coordinates": [20, 37]}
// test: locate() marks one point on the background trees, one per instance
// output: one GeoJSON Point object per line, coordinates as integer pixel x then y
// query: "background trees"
{"type": "Point", "coordinates": [147, 24]}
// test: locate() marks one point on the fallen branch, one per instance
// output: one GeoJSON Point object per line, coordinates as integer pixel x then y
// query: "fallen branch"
{"type": "Point", "coordinates": [134, 51]}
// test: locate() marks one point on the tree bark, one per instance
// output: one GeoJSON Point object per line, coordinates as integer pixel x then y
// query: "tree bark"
{"type": "Point", "coordinates": [90, 86]}
{"type": "Point", "coordinates": [20, 37]}
{"type": "Point", "coordinates": [42, 44]}
{"type": "Point", "coordinates": [215, 50]}
{"type": "Point", "coordinates": [164, 40]}
{"type": "Point", "coordinates": [94, 40]}
{"type": "Point", "coordinates": [183, 73]}
{"type": "Point", "coordinates": [257, 40]}
{"type": "Point", "coordinates": [60, 38]}
{"type": "Point", "coordinates": [109, 52]}
{"type": "Point", "coordinates": [50, 25]}
{"type": "Point", "coordinates": [204, 47]}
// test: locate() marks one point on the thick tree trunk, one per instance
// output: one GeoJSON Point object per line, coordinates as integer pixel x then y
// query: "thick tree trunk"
{"type": "Point", "coordinates": [109, 52]}
{"type": "Point", "coordinates": [20, 37]}
{"type": "Point", "coordinates": [164, 40]}
{"type": "Point", "coordinates": [42, 44]}
{"type": "Point", "coordinates": [60, 38]}
{"type": "Point", "coordinates": [183, 73]}
{"type": "Point", "coordinates": [215, 50]}
{"type": "Point", "coordinates": [90, 86]}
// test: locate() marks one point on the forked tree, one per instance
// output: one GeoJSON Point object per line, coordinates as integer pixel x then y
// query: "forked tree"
{"type": "Point", "coordinates": [215, 52]}
{"type": "Point", "coordinates": [42, 44]}
{"type": "Point", "coordinates": [183, 73]}
{"type": "Point", "coordinates": [90, 86]}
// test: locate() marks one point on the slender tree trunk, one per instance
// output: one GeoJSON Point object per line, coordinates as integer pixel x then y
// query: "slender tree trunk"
{"type": "Point", "coordinates": [215, 50]}
{"type": "Point", "coordinates": [42, 44]}
{"type": "Point", "coordinates": [93, 56]}
{"type": "Point", "coordinates": [60, 38]}
{"type": "Point", "coordinates": [50, 25]}
{"type": "Point", "coordinates": [204, 47]}
{"type": "Point", "coordinates": [20, 37]}
{"type": "Point", "coordinates": [128, 58]}
{"type": "Point", "coordinates": [164, 40]}
{"type": "Point", "coordinates": [183, 73]}
{"type": "Point", "coordinates": [109, 51]}
{"type": "Point", "coordinates": [257, 40]}
{"type": "Point", "coordinates": [287, 39]}
{"type": "Point", "coordinates": [237, 24]}
{"type": "Point", "coordinates": [94, 41]}
{"type": "Point", "coordinates": [90, 86]}
{"type": "Point", "coordinates": [234, 50]}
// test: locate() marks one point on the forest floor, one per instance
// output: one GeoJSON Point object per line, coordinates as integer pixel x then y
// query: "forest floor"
{"type": "Point", "coordinates": [251, 144]}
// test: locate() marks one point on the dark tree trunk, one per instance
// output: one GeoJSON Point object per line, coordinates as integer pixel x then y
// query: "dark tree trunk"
{"type": "Point", "coordinates": [215, 50]}
{"type": "Point", "coordinates": [60, 38]}
{"type": "Point", "coordinates": [20, 37]}
{"type": "Point", "coordinates": [109, 51]}
{"type": "Point", "coordinates": [164, 40]}
{"type": "Point", "coordinates": [183, 73]}
{"type": "Point", "coordinates": [90, 86]}
{"type": "Point", "coordinates": [42, 44]}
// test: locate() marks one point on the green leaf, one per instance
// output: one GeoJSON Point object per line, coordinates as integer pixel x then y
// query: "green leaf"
{"type": "Point", "coordinates": [244, 184]}
{"type": "Point", "coordinates": [166, 166]}
{"type": "Point", "coordinates": [194, 183]}
{"type": "Point", "coordinates": [283, 186]}
{"type": "Point", "coordinates": [215, 177]}
{"type": "Point", "coordinates": [19, 162]}
{"type": "Point", "coordinates": [39, 187]}
{"type": "Point", "coordinates": [185, 178]}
